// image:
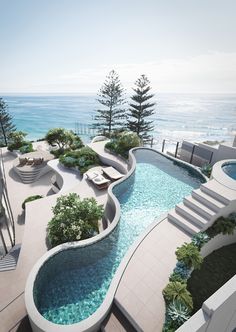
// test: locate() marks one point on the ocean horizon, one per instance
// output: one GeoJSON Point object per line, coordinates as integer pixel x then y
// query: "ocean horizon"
{"type": "Point", "coordinates": [192, 117]}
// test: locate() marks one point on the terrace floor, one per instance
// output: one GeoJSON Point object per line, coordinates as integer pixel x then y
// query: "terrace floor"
{"type": "Point", "coordinates": [139, 293]}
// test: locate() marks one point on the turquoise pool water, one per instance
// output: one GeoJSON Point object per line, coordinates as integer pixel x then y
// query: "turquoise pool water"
{"type": "Point", "coordinates": [230, 169]}
{"type": "Point", "coordinates": [72, 285]}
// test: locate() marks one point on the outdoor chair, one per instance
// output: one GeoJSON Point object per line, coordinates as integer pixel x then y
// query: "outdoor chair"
{"type": "Point", "coordinates": [112, 173]}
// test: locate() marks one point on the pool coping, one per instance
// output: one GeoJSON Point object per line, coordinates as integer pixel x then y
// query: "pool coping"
{"type": "Point", "coordinates": [220, 176]}
{"type": "Point", "coordinates": [92, 323]}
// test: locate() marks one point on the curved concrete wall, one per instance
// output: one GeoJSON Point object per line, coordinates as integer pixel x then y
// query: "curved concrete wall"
{"type": "Point", "coordinates": [112, 211]}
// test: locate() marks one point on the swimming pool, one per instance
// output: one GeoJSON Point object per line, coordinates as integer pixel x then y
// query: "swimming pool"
{"type": "Point", "coordinates": [230, 169]}
{"type": "Point", "coordinates": [71, 285]}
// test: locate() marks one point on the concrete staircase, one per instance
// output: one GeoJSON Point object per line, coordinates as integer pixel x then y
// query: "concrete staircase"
{"type": "Point", "coordinates": [29, 176]}
{"type": "Point", "coordinates": [197, 210]}
{"type": "Point", "coordinates": [9, 261]}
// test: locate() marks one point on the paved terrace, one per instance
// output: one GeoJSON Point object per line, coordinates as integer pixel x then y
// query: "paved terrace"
{"type": "Point", "coordinates": [33, 235]}
{"type": "Point", "coordinates": [139, 293]}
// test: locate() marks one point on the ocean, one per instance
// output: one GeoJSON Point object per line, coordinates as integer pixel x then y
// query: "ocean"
{"type": "Point", "coordinates": [192, 117]}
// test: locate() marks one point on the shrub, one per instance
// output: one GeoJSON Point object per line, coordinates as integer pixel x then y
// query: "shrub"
{"type": "Point", "coordinates": [64, 139]}
{"type": "Point", "coordinates": [200, 239]}
{"type": "Point", "coordinates": [206, 170]}
{"type": "Point", "coordinates": [178, 291]}
{"type": "Point", "coordinates": [16, 140]}
{"type": "Point", "coordinates": [224, 226]}
{"type": "Point", "coordinates": [83, 158]}
{"type": "Point", "coordinates": [183, 270]}
{"type": "Point", "coordinates": [189, 254]}
{"type": "Point", "coordinates": [123, 142]}
{"type": "Point", "coordinates": [177, 277]}
{"type": "Point", "coordinates": [28, 147]}
{"type": "Point", "coordinates": [30, 199]}
{"type": "Point", "coordinates": [178, 313]}
{"type": "Point", "coordinates": [74, 219]}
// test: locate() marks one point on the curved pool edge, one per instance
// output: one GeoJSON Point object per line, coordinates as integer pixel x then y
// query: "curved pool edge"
{"type": "Point", "coordinates": [220, 176]}
{"type": "Point", "coordinates": [38, 322]}
{"type": "Point", "coordinates": [92, 323]}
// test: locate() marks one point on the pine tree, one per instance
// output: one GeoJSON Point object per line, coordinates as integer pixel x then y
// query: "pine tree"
{"type": "Point", "coordinates": [111, 96]}
{"type": "Point", "coordinates": [140, 109]}
{"type": "Point", "coordinates": [6, 125]}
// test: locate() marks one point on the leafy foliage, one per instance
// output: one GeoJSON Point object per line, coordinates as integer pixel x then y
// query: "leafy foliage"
{"type": "Point", "coordinates": [178, 313]}
{"type": "Point", "coordinates": [30, 199]}
{"type": "Point", "coordinates": [183, 270]}
{"type": "Point", "coordinates": [26, 148]}
{"type": "Point", "coordinates": [84, 158]}
{"type": "Point", "coordinates": [177, 277]}
{"type": "Point", "coordinates": [178, 291]}
{"type": "Point", "coordinates": [64, 139]}
{"type": "Point", "coordinates": [206, 170]}
{"type": "Point", "coordinates": [74, 219]}
{"type": "Point", "coordinates": [200, 239]}
{"type": "Point", "coordinates": [16, 140]}
{"type": "Point", "coordinates": [224, 226]}
{"type": "Point", "coordinates": [111, 97]}
{"type": "Point", "coordinates": [123, 142]}
{"type": "Point", "coordinates": [141, 109]}
{"type": "Point", "coordinates": [189, 254]}
{"type": "Point", "coordinates": [6, 124]}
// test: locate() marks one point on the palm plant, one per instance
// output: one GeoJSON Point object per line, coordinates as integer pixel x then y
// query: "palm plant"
{"type": "Point", "coordinates": [224, 226]}
{"type": "Point", "coordinates": [189, 254]}
{"type": "Point", "coordinates": [178, 291]}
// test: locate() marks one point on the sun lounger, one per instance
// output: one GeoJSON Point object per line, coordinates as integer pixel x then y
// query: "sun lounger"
{"type": "Point", "coordinates": [92, 174]}
{"type": "Point", "coordinates": [38, 161]}
{"type": "Point", "coordinates": [112, 173]}
{"type": "Point", "coordinates": [22, 161]}
{"type": "Point", "coordinates": [101, 182]}
{"type": "Point", "coordinates": [98, 179]}
{"type": "Point", "coordinates": [30, 161]}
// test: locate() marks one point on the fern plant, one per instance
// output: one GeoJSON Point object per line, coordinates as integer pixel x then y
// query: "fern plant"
{"type": "Point", "coordinates": [189, 254]}
{"type": "Point", "coordinates": [224, 226]}
{"type": "Point", "coordinates": [178, 291]}
{"type": "Point", "coordinates": [200, 239]}
{"type": "Point", "coordinates": [178, 313]}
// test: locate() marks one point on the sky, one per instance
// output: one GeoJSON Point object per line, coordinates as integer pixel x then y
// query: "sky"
{"type": "Point", "coordinates": [69, 46]}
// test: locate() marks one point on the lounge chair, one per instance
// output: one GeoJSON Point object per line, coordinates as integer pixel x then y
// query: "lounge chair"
{"type": "Point", "coordinates": [92, 174]}
{"type": "Point", "coordinates": [22, 161]}
{"type": "Point", "coordinates": [112, 173]}
{"type": "Point", "coordinates": [30, 161]}
{"type": "Point", "coordinates": [101, 182]}
{"type": "Point", "coordinates": [38, 161]}
{"type": "Point", "coordinates": [97, 179]}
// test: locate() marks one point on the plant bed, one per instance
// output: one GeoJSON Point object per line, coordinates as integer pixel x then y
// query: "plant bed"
{"type": "Point", "coordinates": [215, 271]}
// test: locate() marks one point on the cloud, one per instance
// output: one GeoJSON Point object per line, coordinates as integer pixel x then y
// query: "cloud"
{"type": "Point", "coordinates": [214, 72]}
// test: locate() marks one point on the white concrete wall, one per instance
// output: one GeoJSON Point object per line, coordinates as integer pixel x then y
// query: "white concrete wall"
{"type": "Point", "coordinates": [218, 313]}
{"type": "Point", "coordinates": [224, 152]}
{"type": "Point", "coordinates": [219, 153]}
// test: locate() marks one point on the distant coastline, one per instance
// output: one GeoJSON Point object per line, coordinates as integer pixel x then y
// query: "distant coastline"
{"type": "Point", "coordinates": [194, 117]}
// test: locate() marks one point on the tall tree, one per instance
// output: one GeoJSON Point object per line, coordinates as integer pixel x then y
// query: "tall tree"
{"type": "Point", "coordinates": [141, 109]}
{"type": "Point", "coordinates": [6, 124]}
{"type": "Point", "coordinates": [111, 97]}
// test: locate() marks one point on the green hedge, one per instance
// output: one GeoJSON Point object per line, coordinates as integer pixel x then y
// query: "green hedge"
{"type": "Point", "coordinates": [30, 199]}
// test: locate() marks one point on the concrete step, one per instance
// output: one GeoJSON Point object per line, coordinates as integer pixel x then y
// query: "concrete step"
{"type": "Point", "coordinates": [183, 222]}
{"type": "Point", "coordinates": [190, 214]}
{"type": "Point", "coordinates": [198, 207]}
{"type": "Point", "coordinates": [207, 200]}
{"type": "Point", "coordinates": [9, 261]}
{"type": "Point", "coordinates": [219, 192]}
